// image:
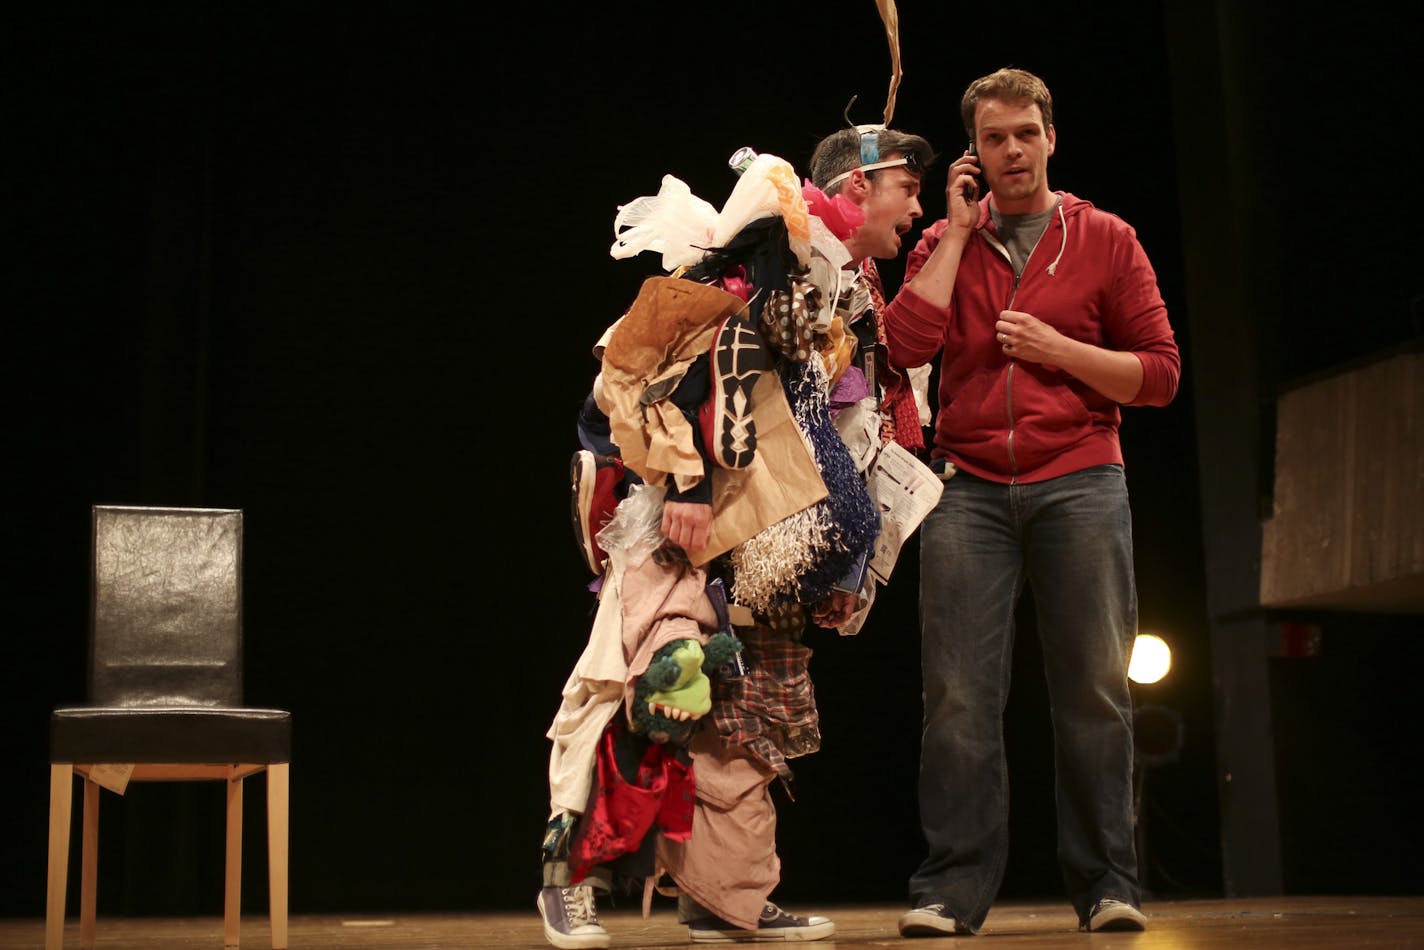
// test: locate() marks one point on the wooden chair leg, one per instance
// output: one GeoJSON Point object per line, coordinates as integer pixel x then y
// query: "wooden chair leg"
{"type": "Point", "coordinates": [232, 872]}
{"type": "Point", "coordinates": [61, 802]}
{"type": "Point", "coordinates": [278, 791]}
{"type": "Point", "coordinates": [89, 865]}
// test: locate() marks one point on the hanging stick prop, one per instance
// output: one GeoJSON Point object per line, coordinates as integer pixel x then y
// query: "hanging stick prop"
{"type": "Point", "coordinates": [892, 35]}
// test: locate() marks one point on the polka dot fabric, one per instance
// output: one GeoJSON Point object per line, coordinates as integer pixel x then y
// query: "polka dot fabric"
{"type": "Point", "coordinates": [786, 322]}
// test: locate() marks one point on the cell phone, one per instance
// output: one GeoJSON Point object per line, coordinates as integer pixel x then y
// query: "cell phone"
{"type": "Point", "coordinates": [978, 187]}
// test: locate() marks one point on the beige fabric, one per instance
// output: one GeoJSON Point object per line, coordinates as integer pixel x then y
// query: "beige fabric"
{"type": "Point", "coordinates": [672, 321]}
{"type": "Point", "coordinates": [642, 607]}
{"type": "Point", "coordinates": [729, 865]}
{"type": "Point", "coordinates": [590, 698]}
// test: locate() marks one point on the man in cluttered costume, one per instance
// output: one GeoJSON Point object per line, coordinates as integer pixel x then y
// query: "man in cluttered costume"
{"type": "Point", "coordinates": [725, 495]}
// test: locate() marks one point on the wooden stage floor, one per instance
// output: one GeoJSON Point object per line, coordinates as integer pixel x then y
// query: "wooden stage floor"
{"type": "Point", "coordinates": [1286, 923]}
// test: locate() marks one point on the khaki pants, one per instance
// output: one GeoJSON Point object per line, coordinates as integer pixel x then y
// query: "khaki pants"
{"type": "Point", "coordinates": [729, 865]}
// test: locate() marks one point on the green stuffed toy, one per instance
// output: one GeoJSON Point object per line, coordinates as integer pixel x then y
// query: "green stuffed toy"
{"type": "Point", "coordinates": [676, 689]}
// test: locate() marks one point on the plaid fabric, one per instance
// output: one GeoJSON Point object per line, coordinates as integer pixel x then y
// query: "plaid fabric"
{"type": "Point", "coordinates": [900, 417]}
{"type": "Point", "coordinates": [771, 709]}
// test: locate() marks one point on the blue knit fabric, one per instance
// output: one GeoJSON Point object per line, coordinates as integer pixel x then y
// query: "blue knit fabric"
{"type": "Point", "coordinates": [851, 513]}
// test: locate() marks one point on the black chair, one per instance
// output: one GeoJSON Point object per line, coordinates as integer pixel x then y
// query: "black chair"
{"type": "Point", "coordinates": [165, 698]}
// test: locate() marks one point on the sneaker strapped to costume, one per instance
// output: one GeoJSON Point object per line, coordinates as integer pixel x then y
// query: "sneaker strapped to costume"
{"type": "Point", "coordinates": [596, 483]}
{"type": "Point", "coordinates": [1112, 914]}
{"type": "Point", "coordinates": [775, 924]}
{"type": "Point", "coordinates": [930, 920]}
{"type": "Point", "coordinates": [570, 917]}
{"type": "Point", "coordinates": [739, 357]}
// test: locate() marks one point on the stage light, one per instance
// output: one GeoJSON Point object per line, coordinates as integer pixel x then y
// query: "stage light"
{"type": "Point", "coordinates": [1151, 659]}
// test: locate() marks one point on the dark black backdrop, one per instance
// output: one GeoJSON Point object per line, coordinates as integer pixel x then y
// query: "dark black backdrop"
{"type": "Point", "coordinates": [341, 267]}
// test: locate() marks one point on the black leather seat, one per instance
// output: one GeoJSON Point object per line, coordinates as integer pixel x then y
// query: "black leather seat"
{"type": "Point", "coordinates": [165, 698]}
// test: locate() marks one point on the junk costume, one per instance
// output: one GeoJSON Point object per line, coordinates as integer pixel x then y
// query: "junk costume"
{"type": "Point", "coordinates": [724, 382]}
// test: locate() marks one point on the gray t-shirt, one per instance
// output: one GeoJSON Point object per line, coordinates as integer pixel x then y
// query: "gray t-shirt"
{"type": "Point", "coordinates": [1020, 232]}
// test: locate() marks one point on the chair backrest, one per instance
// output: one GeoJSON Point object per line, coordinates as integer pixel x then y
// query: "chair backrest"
{"type": "Point", "coordinates": [166, 607]}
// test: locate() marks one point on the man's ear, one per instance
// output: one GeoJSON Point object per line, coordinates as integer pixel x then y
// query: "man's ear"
{"type": "Point", "coordinates": [857, 187]}
{"type": "Point", "coordinates": [1052, 139]}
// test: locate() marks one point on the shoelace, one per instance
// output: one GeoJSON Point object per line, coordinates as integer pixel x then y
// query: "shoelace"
{"type": "Point", "coordinates": [579, 906]}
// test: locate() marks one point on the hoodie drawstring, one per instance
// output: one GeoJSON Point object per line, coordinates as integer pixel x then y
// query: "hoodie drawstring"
{"type": "Point", "coordinates": [1064, 245]}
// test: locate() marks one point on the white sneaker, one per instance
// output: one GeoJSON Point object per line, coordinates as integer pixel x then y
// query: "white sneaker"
{"type": "Point", "coordinates": [570, 917]}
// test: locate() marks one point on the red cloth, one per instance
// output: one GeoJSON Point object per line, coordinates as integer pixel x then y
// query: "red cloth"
{"type": "Point", "coordinates": [622, 813]}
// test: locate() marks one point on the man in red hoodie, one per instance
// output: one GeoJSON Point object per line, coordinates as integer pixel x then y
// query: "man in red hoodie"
{"type": "Point", "coordinates": [1048, 317]}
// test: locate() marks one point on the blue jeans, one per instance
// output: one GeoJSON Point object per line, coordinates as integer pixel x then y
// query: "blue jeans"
{"type": "Point", "coordinates": [1070, 540]}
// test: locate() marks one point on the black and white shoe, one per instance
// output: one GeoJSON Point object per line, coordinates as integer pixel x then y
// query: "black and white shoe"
{"type": "Point", "coordinates": [775, 924]}
{"type": "Point", "coordinates": [931, 920]}
{"type": "Point", "coordinates": [1112, 914]}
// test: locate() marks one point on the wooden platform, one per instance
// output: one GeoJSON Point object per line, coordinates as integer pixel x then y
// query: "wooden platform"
{"type": "Point", "coordinates": [1291, 923]}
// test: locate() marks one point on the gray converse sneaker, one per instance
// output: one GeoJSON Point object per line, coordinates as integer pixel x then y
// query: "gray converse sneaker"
{"type": "Point", "coordinates": [775, 924]}
{"type": "Point", "coordinates": [570, 918]}
{"type": "Point", "coordinates": [930, 920]}
{"type": "Point", "coordinates": [1113, 914]}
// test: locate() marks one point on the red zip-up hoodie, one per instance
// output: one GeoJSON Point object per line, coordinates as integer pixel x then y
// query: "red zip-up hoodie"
{"type": "Point", "coordinates": [1017, 421]}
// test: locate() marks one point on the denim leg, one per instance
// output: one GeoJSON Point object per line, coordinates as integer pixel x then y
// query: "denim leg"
{"type": "Point", "coordinates": [971, 576]}
{"type": "Point", "coordinates": [1078, 546]}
